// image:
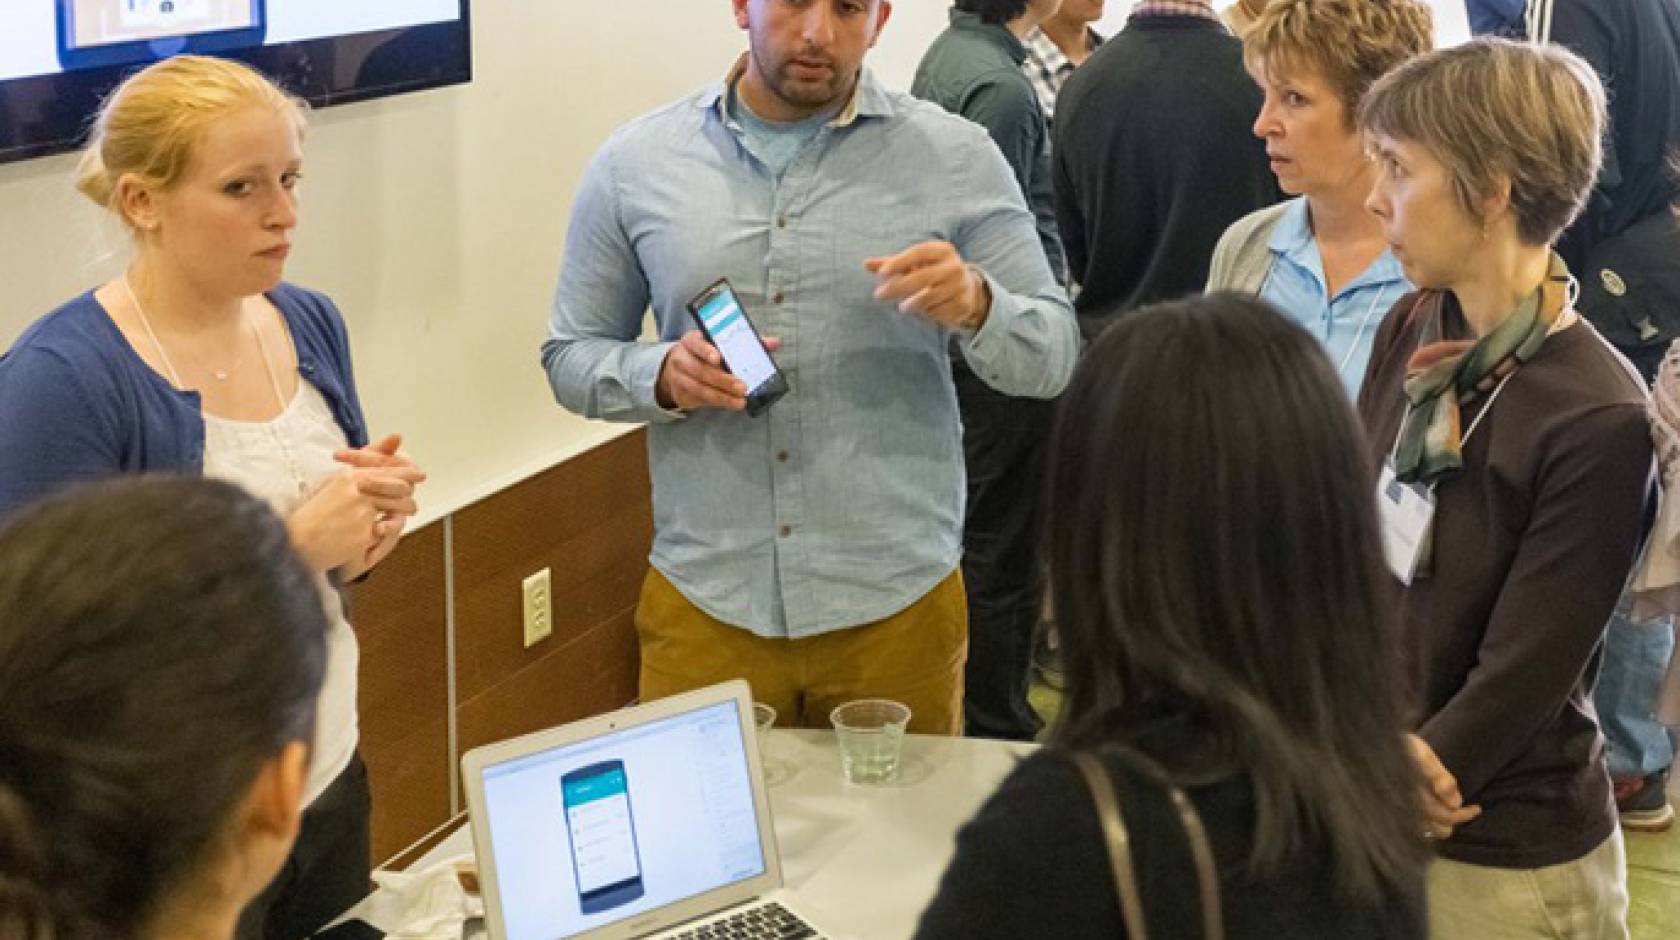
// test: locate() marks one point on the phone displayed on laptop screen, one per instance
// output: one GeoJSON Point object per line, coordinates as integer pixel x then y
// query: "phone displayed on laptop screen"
{"type": "Point", "coordinates": [724, 321]}
{"type": "Point", "coordinates": [605, 832]}
{"type": "Point", "coordinates": [603, 836]}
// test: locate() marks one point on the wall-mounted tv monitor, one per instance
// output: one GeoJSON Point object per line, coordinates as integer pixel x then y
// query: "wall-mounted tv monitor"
{"type": "Point", "coordinates": [59, 58]}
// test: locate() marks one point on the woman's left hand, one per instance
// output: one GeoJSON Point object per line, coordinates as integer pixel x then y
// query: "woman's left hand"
{"type": "Point", "coordinates": [1443, 804]}
{"type": "Point", "coordinates": [387, 533]}
{"type": "Point", "coordinates": [395, 508]}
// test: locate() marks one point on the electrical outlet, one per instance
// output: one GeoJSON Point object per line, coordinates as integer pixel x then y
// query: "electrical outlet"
{"type": "Point", "coordinates": [539, 618]}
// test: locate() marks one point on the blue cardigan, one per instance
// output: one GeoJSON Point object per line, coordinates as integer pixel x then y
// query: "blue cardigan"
{"type": "Point", "coordinates": [78, 403]}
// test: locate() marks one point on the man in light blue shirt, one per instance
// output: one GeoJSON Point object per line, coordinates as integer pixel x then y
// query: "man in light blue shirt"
{"type": "Point", "coordinates": [813, 548]}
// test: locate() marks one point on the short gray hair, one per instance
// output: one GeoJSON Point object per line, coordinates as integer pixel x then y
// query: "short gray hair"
{"type": "Point", "coordinates": [1493, 109]}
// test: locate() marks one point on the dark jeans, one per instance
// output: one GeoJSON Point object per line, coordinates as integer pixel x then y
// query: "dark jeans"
{"type": "Point", "coordinates": [1004, 442]}
{"type": "Point", "coordinates": [328, 870]}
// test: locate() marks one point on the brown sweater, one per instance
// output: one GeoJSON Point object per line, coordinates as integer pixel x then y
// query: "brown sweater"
{"type": "Point", "coordinates": [1533, 539]}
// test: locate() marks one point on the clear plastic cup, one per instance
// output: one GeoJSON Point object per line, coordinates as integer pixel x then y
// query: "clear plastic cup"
{"type": "Point", "coordinates": [764, 717]}
{"type": "Point", "coordinates": [871, 736]}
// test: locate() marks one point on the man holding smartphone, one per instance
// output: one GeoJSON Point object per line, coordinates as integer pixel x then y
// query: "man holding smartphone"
{"type": "Point", "coordinates": [812, 549]}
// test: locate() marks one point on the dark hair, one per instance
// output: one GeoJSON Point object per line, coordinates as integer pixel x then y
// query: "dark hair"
{"type": "Point", "coordinates": [996, 12]}
{"type": "Point", "coordinates": [1215, 574]}
{"type": "Point", "coordinates": [159, 641]}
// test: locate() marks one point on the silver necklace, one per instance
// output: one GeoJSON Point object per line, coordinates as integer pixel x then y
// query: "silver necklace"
{"type": "Point", "coordinates": [220, 375]}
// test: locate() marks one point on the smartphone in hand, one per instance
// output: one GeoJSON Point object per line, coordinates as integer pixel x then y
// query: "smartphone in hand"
{"type": "Point", "coordinates": [724, 321]}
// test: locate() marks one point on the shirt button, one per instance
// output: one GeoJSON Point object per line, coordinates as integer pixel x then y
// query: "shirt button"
{"type": "Point", "coordinates": [776, 297]}
{"type": "Point", "coordinates": [781, 221]}
{"type": "Point", "coordinates": [786, 531]}
{"type": "Point", "coordinates": [782, 456]}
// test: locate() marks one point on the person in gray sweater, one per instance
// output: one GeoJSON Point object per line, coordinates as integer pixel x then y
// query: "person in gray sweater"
{"type": "Point", "coordinates": [1321, 257]}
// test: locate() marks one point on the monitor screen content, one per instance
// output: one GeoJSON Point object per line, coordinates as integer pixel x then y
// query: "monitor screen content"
{"type": "Point", "coordinates": [58, 58]}
{"type": "Point", "coordinates": [592, 833]}
{"type": "Point", "coordinates": [94, 23]}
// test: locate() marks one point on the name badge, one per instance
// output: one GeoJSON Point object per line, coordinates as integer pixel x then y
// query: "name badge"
{"type": "Point", "coordinates": [1406, 511]}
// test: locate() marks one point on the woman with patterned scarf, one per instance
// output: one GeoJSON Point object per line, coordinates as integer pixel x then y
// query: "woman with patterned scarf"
{"type": "Point", "coordinates": [1515, 463]}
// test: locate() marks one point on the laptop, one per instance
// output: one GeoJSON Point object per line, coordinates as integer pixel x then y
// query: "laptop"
{"type": "Point", "coordinates": [649, 822]}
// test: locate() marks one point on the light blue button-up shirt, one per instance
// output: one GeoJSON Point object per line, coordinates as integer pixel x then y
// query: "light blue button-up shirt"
{"type": "Point", "coordinates": [843, 503]}
{"type": "Point", "coordinates": [1347, 323]}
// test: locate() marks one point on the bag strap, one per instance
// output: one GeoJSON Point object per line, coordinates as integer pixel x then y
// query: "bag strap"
{"type": "Point", "coordinates": [1118, 841]}
{"type": "Point", "coordinates": [1207, 874]}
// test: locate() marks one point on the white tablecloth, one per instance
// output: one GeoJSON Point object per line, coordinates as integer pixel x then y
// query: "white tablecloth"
{"type": "Point", "coordinates": [868, 858]}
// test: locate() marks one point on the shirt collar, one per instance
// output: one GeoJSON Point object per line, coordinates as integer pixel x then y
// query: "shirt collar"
{"type": "Point", "coordinates": [1044, 50]}
{"type": "Point", "coordinates": [999, 36]}
{"type": "Point", "coordinates": [1293, 237]}
{"type": "Point", "coordinates": [1200, 8]}
{"type": "Point", "coordinates": [869, 98]}
{"type": "Point", "coordinates": [1293, 230]}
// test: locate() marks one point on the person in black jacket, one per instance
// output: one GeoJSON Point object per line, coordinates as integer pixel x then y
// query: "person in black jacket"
{"type": "Point", "coordinates": [1153, 159]}
{"type": "Point", "coordinates": [1217, 582]}
{"type": "Point", "coordinates": [974, 70]}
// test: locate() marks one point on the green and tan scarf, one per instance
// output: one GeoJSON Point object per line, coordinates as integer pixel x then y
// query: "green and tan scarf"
{"type": "Point", "coordinates": [1431, 439]}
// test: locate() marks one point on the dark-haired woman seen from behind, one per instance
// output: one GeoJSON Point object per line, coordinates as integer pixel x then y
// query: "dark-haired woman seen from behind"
{"type": "Point", "coordinates": [161, 650]}
{"type": "Point", "coordinates": [1524, 437]}
{"type": "Point", "coordinates": [1216, 576]}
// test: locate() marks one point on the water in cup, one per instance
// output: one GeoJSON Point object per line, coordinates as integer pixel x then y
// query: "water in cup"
{"type": "Point", "coordinates": [871, 737]}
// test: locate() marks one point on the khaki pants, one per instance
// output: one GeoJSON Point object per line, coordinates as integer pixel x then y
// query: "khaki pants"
{"type": "Point", "coordinates": [915, 656]}
{"type": "Point", "coordinates": [1581, 900]}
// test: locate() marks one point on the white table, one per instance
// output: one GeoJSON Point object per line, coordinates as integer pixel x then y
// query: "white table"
{"type": "Point", "coordinates": [868, 858]}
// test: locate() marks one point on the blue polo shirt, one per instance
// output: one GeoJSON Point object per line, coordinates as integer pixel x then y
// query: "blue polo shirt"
{"type": "Point", "coordinates": [1346, 323]}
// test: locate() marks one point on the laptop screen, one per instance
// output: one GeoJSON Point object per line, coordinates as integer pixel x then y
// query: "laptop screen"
{"type": "Point", "coordinates": [590, 833]}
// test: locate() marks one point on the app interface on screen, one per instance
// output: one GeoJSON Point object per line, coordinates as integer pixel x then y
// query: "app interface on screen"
{"type": "Point", "coordinates": [734, 337]}
{"type": "Point", "coordinates": [603, 842]}
{"type": "Point", "coordinates": [102, 22]}
{"type": "Point", "coordinates": [676, 809]}
{"type": "Point", "coordinates": [30, 44]}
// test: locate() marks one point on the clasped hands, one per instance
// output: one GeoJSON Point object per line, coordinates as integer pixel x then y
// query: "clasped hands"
{"type": "Point", "coordinates": [357, 516]}
{"type": "Point", "coordinates": [929, 280]}
{"type": "Point", "coordinates": [1443, 804]}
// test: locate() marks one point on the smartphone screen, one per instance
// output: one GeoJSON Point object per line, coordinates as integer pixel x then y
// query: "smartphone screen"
{"type": "Point", "coordinates": [726, 324]}
{"type": "Point", "coordinates": [603, 836]}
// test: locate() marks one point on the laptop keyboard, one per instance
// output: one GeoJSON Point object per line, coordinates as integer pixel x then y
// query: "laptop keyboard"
{"type": "Point", "coordinates": [765, 922]}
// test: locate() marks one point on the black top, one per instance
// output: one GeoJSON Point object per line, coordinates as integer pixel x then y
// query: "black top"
{"type": "Point", "coordinates": [1033, 864]}
{"type": "Point", "coordinates": [1532, 541]}
{"type": "Point", "coordinates": [1634, 45]}
{"type": "Point", "coordinates": [1154, 157]}
{"type": "Point", "coordinates": [974, 70]}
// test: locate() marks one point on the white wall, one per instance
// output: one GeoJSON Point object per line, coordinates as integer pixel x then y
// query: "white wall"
{"type": "Point", "coordinates": [436, 220]}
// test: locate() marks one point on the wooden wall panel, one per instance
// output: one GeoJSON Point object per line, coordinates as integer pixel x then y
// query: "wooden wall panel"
{"type": "Point", "coordinates": [588, 520]}
{"type": "Point", "coordinates": [593, 674]}
{"type": "Point", "coordinates": [400, 618]}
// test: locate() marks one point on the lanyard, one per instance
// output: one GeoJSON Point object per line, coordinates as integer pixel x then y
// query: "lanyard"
{"type": "Point", "coordinates": [1360, 334]}
{"type": "Point", "coordinates": [1364, 323]}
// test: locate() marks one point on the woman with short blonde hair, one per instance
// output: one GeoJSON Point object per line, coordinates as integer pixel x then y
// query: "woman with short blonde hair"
{"type": "Point", "coordinates": [199, 359]}
{"type": "Point", "coordinates": [1321, 257]}
{"type": "Point", "coordinates": [1515, 459]}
